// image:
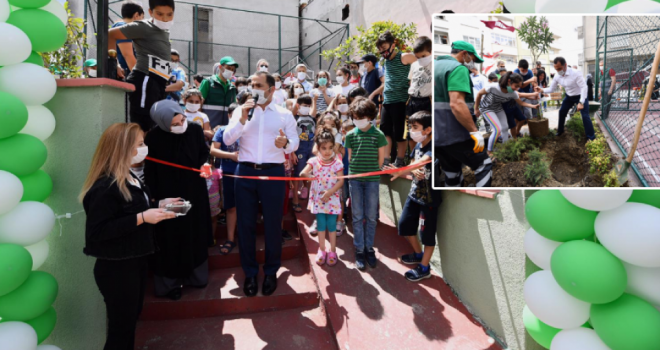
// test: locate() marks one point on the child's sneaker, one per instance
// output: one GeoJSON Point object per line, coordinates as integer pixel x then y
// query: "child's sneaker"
{"type": "Point", "coordinates": [359, 259]}
{"type": "Point", "coordinates": [340, 227]}
{"type": "Point", "coordinates": [312, 229]}
{"type": "Point", "coordinates": [411, 259]}
{"type": "Point", "coordinates": [371, 257]}
{"type": "Point", "coordinates": [320, 257]}
{"type": "Point", "coordinates": [332, 259]}
{"type": "Point", "coordinates": [418, 273]}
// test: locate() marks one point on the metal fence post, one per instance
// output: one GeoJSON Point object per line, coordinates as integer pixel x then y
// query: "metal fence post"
{"type": "Point", "coordinates": [190, 73]}
{"type": "Point", "coordinates": [249, 63]}
{"type": "Point", "coordinates": [279, 40]}
{"type": "Point", "coordinates": [597, 61]}
{"type": "Point", "coordinates": [102, 39]}
{"type": "Point", "coordinates": [320, 58]}
{"type": "Point", "coordinates": [195, 38]}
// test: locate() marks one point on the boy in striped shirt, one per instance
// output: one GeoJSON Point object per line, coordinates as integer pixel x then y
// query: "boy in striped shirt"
{"type": "Point", "coordinates": [366, 153]}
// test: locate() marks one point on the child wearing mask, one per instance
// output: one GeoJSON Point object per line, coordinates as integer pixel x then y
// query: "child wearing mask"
{"type": "Point", "coordinates": [343, 77]}
{"type": "Point", "coordinates": [295, 90]}
{"type": "Point", "coordinates": [323, 92]}
{"type": "Point", "coordinates": [420, 81]}
{"type": "Point", "coordinates": [242, 84]}
{"type": "Point", "coordinates": [303, 111]}
{"type": "Point", "coordinates": [192, 100]}
{"type": "Point", "coordinates": [280, 94]}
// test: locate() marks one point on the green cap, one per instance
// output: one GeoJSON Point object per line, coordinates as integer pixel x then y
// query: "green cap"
{"type": "Point", "coordinates": [228, 61]}
{"type": "Point", "coordinates": [466, 46]}
{"type": "Point", "coordinates": [90, 62]}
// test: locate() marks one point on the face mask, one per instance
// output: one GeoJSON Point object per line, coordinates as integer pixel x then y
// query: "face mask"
{"type": "Point", "coordinates": [263, 69]}
{"type": "Point", "coordinates": [92, 73]}
{"type": "Point", "coordinates": [193, 107]}
{"type": "Point", "coordinates": [424, 61]}
{"type": "Point", "coordinates": [417, 136]}
{"type": "Point", "coordinates": [387, 53]}
{"type": "Point", "coordinates": [302, 75]}
{"type": "Point", "coordinates": [502, 69]}
{"type": "Point", "coordinates": [361, 123]}
{"type": "Point", "coordinates": [141, 154]}
{"type": "Point", "coordinates": [175, 65]}
{"type": "Point", "coordinates": [163, 25]}
{"type": "Point", "coordinates": [334, 131]}
{"type": "Point", "coordinates": [469, 65]}
{"type": "Point", "coordinates": [262, 96]}
{"type": "Point", "coordinates": [354, 72]}
{"type": "Point", "coordinates": [363, 70]}
{"type": "Point", "coordinates": [278, 84]}
{"type": "Point", "coordinates": [343, 108]}
{"type": "Point", "coordinates": [323, 81]}
{"type": "Point", "coordinates": [509, 89]}
{"type": "Point", "coordinates": [340, 80]}
{"type": "Point", "coordinates": [242, 88]}
{"type": "Point", "coordinates": [298, 91]}
{"type": "Point", "coordinates": [227, 74]}
{"type": "Point", "coordinates": [561, 72]}
{"type": "Point", "coordinates": [180, 129]}
{"type": "Point", "coordinates": [303, 110]}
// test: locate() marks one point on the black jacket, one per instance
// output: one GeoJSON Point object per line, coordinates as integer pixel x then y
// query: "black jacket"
{"type": "Point", "coordinates": [111, 230]}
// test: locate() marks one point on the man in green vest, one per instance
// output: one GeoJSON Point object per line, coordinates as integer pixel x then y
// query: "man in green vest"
{"type": "Point", "coordinates": [219, 92]}
{"type": "Point", "coordinates": [457, 140]}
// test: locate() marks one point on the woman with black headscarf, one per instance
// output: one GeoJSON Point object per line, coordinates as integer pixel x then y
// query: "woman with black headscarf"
{"type": "Point", "coordinates": [182, 258]}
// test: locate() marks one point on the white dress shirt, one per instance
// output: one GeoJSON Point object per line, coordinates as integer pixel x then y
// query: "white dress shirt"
{"type": "Point", "coordinates": [572, 81]}
{"type": "Point", "coordinates": [257, 136]}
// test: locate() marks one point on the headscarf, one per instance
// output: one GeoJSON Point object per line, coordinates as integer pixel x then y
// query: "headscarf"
{"type": "Point", "coordinates": [162, 113]}
{"type": "Point", "coordinates": [589, 76]}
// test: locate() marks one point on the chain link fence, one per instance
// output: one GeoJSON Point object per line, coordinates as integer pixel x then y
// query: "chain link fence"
{"type": "Point", "coordinates": [202, 34]}
{"type": "Point", "coordinates": [626, 45]}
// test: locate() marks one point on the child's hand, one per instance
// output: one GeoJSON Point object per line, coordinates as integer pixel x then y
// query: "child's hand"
{"type": "Point", "coordinates": [419, 174]}
{"type": "Point", "coordinates": [325, 196]}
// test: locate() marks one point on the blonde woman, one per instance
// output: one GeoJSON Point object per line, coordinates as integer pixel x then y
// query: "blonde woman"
{"type": "Point", "coordinates": [119, 228]}
{"type": "Point", "coordinates": [262, 65]}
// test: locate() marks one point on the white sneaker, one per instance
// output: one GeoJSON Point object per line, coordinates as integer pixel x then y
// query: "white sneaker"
{"type": "Point", "coordinates": [340, 227]}
{"type": "Point", "coordinates": [312, 229]}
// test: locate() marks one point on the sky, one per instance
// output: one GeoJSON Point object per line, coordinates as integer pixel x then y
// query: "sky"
{"type": "Point", "coordinates": [566, 28]}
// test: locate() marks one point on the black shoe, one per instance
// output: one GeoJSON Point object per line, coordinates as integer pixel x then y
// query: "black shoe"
{"type": "Point", "coordinates": [175, 294]}
{"type": "Point", "coordinates": [286, 235]}
{"type": "Point", "coordinates": [359, 259]}
{"type": "Point", "coordinates": [558, 134]}
{"type": "Point", "coordinates": [250, 287]}
{"type": "Point", "coordinates": [270, 284]}
{"type": "Point", "coordinates": [371, 257]}
{"type": "Point", "coordinates": [410, 259]}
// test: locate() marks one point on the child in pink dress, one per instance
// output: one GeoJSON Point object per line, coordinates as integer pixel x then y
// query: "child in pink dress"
{"type": "Point", "coordinates": [213, 186]}
{"type": "Point", "coordinates": [325, 197]}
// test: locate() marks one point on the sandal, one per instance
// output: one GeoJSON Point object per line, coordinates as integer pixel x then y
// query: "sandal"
{"type": "Point", "coordinates": [229, 245]}
{"type": "Point", "coordinates": [297, 208]}
{"type": "Point", "coordinates": [320, 257]}
{"type": "Point", "coordinates": [332, 259]}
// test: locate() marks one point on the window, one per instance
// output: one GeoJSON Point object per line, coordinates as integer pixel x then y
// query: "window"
{"type": "Point", "coordinates": [204, 35]}
{"type": "Point", "coordinates": [503, 40]}
{"type": "Point", "coordinates": [476, 42]}
{"type": "Point", "coordinates": [509, 59]}
{"type": "Point", "coordinates": [441, 38]}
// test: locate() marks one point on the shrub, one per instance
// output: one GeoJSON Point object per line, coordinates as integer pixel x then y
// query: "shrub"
{"type": "Point", "coordinates": [511, 150]}
{"type": "Point", "coordinates": [611, 180]}
{"type": "Point", "coordinates": [538, 168]}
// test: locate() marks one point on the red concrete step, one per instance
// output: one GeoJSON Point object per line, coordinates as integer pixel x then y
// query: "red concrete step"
{"type": "Point", "coordinates": [224, 295]}
{"type": "Point", "coordinates": [302, 328]}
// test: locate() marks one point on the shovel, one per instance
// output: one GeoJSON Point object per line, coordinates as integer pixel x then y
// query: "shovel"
{"type": "Point", "coordinates": [623, 165]}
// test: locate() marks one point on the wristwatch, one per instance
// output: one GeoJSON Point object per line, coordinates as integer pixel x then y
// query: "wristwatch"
{"type": "Point", "coordinates": [287, 143]}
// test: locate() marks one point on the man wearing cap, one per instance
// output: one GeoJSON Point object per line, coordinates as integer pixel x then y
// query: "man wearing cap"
{"type": "Point", "coordinates": [219, 92]}
{"type": "Point", "coordinates": [177, 83]}
{"type": "Point", "coordinates": [90, 68]}
{"type": "Point", "coordinates": [457, 140]}
{"type": "Point", "coordinates": [372, 77]}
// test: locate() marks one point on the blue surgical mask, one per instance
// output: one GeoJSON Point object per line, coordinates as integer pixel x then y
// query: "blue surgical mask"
{"type": "Point", "coordinates": [323, 81]}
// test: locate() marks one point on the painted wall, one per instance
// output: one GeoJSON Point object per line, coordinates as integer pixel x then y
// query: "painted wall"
{"type": "Point", "coordinates": [81, 320]}
{"type": "Point", "coordinates": [480, 255]}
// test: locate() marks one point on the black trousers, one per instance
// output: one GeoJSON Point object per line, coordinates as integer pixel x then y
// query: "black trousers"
{"type": "Point", "coordinates": [149, 89]}
{"type": "Point", "coordinates": [122, 284]}
{"type": "Point", "coordinates": [452, 158]}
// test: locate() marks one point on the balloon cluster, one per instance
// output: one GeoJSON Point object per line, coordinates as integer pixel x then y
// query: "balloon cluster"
{"type": "Point", "coordinates": [28, 27]}
{"type": "Point", "coordinates": [599, 287]}
{"type": "Point", "coordinates": [591, 6]}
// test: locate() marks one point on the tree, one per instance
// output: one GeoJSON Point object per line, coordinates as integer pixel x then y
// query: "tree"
{"type": "Point", "coordinates": [64, 62]}
{"type": "Point", "coordinates": [365, 42]}
{"type": "Point", "coordinates": [537, 35]}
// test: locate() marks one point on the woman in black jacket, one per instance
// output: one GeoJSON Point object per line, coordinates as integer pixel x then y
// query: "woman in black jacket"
{"type": "Point", "coordinates": [118, 230]}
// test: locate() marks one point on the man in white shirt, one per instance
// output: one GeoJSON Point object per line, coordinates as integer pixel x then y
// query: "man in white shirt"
{"type": "Point", "coordinates": [479, 81]}
{"type": "Point", "coordinates": [576, 93]}
{"type": "Point", "coordinates": [264, 138]}
{"type": "Point", "coordinates": [301, 75]}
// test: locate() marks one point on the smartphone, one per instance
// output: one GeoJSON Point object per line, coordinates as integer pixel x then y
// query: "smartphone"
{"type": "Point", "coordinates": [179, 209]}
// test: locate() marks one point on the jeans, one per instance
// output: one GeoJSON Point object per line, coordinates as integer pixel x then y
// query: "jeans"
{"type": "Point", "coordinates": [364, 203]}
{"type": "Point", "coordinates": [566, 105]}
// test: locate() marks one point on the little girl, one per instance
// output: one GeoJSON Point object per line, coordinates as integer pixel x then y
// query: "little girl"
{"type": "Point", "coordinates": [325, 199]}
{"type": "Point", "coordinates": [193, 100]}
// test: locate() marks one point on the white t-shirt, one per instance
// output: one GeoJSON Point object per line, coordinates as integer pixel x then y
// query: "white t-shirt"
{"type": "Point", "coordinates": [343, 90]}
{"type": "Point", "coordinates": [280, 96]}
{"type": "Point", "coordinates": [197, 117]}
{"type": "Point", "coordinates": [420, 80]}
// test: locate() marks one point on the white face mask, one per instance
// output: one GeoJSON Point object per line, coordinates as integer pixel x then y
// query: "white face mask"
{"type": "Point", "coordinates": [298, 91]}
{"type": "Point", "coordinates": [141, 154]}
{"type": "Point", "coordinates": [561, 72]}
{"type": "Point", "coordinates": [262, 96]}
{"type": "Point", "coordinates": [343, 108]}
{"type": "Point", "coordinates": [362, 70]}
{"type": "Point", "coordinates": [263, 69]}
{"type": "Point", "coordinates": [302, 75]}
{"type": "Point", "coordinates": [469, 65]}
{"type": "Point", "coordinates": [193, 107]}
{"type": "Point", "coordinates": [303, 110]}
{"type": "Point", "coordinates": [424, 61]}
{"type": "Point", "coordinates": [163, 25]}
{"type": "Point", "coordinates": [340, 79]}
{"type": "Point", "coordinates": [92, 73]}
{"type": "Point", "coordinates": [180, 129]}
{"type": "Point", "coordinates": [417, 136]}
{"type": "Point", "coordinates": [227, 74]}
{"type": "Point", "coordinates": [242, 88]}
{"type": "Point", "coordinates": [278, 84]}
{"type": "Point", "coordinates": [361, 123]}
{"type": "Point", "coordinates": [175, 65]}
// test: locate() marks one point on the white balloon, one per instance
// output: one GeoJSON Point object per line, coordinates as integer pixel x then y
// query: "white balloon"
{"type": "Point", "coordinates": [578, 338]}
{"type": "Point", "coordinates": [632, 233]}
{"type": "Point", "coordinates": [539, 249]}
{"type": "Point", "coordinates": [32, 84]}
{"type": "Point", "coordinates": [56, 8]}
{"type": "Point", "coordinates": [4, 10]}
{"type": "Point", "coordinates": [27, 224]}
{"type": "Point", "coordinates": [16, 46]}
{"type": "Point", "coordinates": [551, 304]}
{"type": "Point", "coordinates": [644, 282]}
{"type": "Point", "coordinates": [520, 6]}
{"type": "Point", "coordinates": [41, 122]}
{"type": "Point", "coordinates": [17, 336]}
{"type": "Point", "coordinates": [570, 6]}
{"type": "Point", "coordinates": [11, 191]}
{"type": "Point", "coordinates": [636, 6]}
{"type": "Point", "coordinates": [39, 252]}
{"type": "Point", "coordinates": [48, 347]}
{"type": "Point", "coordinates": [597, 200]}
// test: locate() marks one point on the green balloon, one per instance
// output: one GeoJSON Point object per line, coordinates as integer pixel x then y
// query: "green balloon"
{"type": "Point", "coordinates": [15, 267]}
{"type": "Point", "coordinates": [35, 58]}
{"type": "Point", "coordinates": [44, 324]}
{"type": "Point", "coordinates": [555, 218]}
{"type": "Point", "coordinates": [650, 197]}
{"type": "Point", "coordinates": [628, 323]}
{"type": "Point", "coordinates": [13, 115]}
{"type": "Point", "coordinates": [589, 272]}
{"type": "Point", "coordinates": [29, 4]}
{"type": "Point", "coordinates": [31, 299]}
{"type": "Point", "coordinates": [46, 32]}
{"type": "Point", "coordinates": [539, 331]}
{"type": "Point", "coordinates": [22, 154]}
{"type": "Point", "coordinates": [36, 186]}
